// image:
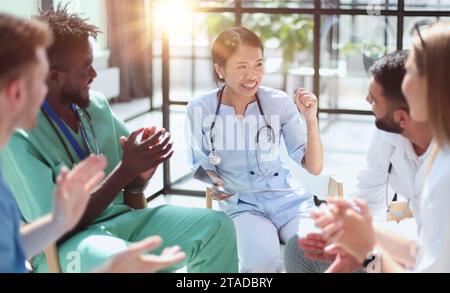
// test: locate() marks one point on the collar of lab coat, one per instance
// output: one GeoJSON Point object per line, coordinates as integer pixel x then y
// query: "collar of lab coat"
{"type": "Point", "coordinates": [401, 145]}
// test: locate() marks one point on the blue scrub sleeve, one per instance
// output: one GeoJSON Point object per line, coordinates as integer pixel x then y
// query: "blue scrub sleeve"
{"type": "Point", "coordinates": [294, 130]}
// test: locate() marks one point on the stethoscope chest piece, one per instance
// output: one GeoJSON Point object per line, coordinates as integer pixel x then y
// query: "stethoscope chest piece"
{"type": "Point", "coordinates": [215, 158]}
{"type": "Point", "coordinates": [264, 136]}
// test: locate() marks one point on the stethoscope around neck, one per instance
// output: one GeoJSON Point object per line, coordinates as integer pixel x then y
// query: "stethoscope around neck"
{"type": "Point", "coordinates": [215, 158]}
{"type": "Point", "coordinates": [56, 122]}
{"type": "Point", "coordinates": [401, 213]}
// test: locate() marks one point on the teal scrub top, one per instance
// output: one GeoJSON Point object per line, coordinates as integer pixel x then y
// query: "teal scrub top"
{"type": "Point", "coordinates": [33, 159]}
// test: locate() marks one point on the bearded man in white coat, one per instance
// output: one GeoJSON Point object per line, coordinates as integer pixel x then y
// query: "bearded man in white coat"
{"type": "Point", "coordinates": [393, 178]}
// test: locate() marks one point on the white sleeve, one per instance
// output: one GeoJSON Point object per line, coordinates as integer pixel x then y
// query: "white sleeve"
{"type": "Point", "coordinates": [372, 179]}
{"type": "Point", "coordinates": [406, 228]}
{"type": "Point", "coordinates": [434, 235]}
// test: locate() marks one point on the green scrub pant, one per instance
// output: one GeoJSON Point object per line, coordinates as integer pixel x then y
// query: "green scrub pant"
{"type": "Point", "coordinates": [207, 237]}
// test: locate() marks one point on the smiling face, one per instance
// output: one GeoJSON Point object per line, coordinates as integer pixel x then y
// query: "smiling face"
{"type": "Point", "coordinates": [243, 71]}
{"type": "Point", "coordinates": [76, 75]}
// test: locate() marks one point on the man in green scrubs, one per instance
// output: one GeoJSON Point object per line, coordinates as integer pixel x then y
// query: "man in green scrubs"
{"type": "Point", "coordinates": [75, 122]}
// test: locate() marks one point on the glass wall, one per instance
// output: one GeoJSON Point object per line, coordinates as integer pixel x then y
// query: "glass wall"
{"type": "Point", "coordinates": [371, 6]}
{"type": "Point", "coordinates": [326, 46]}
{"type": "Point", "coordinates": [277, 4]}
{"type": "Point", "coordinates": [427, 5]}
{"type": "Point", "coordinates": [349, 44]}
{"type": "Point", "coordinates": [288, 42]}
{"type": "Point", "coordinates": [95, 11]}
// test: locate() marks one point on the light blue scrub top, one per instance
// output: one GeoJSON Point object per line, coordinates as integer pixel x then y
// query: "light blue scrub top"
{"type": "Point", "coordinates": [12, 256]}
{"type": "Point", "coordinates": [235, 140]}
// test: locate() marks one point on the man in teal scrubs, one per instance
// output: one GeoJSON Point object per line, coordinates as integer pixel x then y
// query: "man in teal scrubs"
{"type": "Point", "coordinates": [23, 67]}
{"type": "Point", "coordinates": [75, 122]}
{"type": "Point", "coordinates": [23, 72]}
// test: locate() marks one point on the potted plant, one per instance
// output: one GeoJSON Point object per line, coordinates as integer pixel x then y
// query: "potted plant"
{"type": "Point", "coordinates": [370, 52]}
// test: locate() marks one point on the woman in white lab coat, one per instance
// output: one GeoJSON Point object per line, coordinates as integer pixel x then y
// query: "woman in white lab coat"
{"type": "Point", "coordinates": [427, 89]}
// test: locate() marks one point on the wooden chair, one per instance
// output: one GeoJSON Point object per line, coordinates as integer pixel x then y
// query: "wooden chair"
{"type": "Point", "coordinates": [334, 189]}
{"type": "Point", "coordinates": [134, 201]}
{"type": "Point", "coordinates": [399, 208]}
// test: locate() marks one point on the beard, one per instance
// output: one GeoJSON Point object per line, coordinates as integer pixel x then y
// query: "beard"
{"type": "Point", "coordinates": [388, 124]}
{"type": "Point", "coordinates": [78, 96]}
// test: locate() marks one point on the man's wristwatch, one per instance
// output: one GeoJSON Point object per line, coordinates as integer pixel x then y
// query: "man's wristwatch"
{"type": "Point", "coordinates": [372, 264]}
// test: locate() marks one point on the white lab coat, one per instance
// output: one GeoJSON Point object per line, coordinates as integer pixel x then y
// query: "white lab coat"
{"type": "Point", "coordinates": [406, 179]}
{"type": "Point", "coordinates": [434, 218]}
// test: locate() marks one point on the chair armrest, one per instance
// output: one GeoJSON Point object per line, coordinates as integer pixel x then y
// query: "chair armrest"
{"type": "Point", "coordinates": [335, 188]}
{"type": "Point", "coordinates": [209, 198]}
{"type": "Point", "coordinates": [51, 256]}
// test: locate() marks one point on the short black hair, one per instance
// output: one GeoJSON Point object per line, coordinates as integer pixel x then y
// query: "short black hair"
{"type": "Point", "coordinates": [389, 72]}
{"type": "Point", "coordinates": [69, 30]}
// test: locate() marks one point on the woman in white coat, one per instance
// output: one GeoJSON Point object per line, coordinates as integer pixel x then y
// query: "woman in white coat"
{"type": "Point", "coordinates": [427, 89]}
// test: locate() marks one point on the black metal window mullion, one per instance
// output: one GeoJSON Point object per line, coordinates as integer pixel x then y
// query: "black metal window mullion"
{"type": "Point", "coordinates": [150, 61]}
{"type": "Point", "coordinates": [316, 41]}
{"type": "Point", "coordinates": [166, 101]}
{"type": "Point", "coordinates": [238, 12]}
{"type": "Point", "coordinates": [46, 4]}
{"type": "Point", "coordinates": [400, 23]}
{"type": "Point", "coordinates": [194, 55]}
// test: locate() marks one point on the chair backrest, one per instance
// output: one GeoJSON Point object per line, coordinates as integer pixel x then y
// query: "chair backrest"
{"type": "Point", "coordinates": [399, 211]}
{"type": "Point", "coordinates": [209, 199]}
{"type": "Point", "coordinates": [335, 188]}
{"type": "Point", "coordinates": [135, 201]}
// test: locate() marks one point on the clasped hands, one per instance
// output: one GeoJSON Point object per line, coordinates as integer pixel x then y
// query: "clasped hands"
{"type": "Point", "coordinates": [346, 237]}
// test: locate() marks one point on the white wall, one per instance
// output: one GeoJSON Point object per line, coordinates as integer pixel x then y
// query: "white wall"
{"type": "Point", "coordinates": [24, 8]}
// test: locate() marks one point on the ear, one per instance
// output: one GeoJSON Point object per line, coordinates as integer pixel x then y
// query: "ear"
{"type": "Point", "coordinates": [55, 77]}
{"type": "Point", "coordinates": [401, 116]}
{"type": "Point", "coordinates": [219, 71]}
{"type": "Point", "coordinates": [14, 94]}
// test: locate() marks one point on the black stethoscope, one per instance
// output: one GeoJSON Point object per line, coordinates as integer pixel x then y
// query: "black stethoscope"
{"type": "Point", "coordinates": [215, 158]}
{"type": "Point", "coordinates": [56, 122]}
{"type": "Point", "coordinates": [401, 213]}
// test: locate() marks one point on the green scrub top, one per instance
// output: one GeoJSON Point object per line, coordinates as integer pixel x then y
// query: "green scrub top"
{"type": "Point", "coordinates": [33, 159]}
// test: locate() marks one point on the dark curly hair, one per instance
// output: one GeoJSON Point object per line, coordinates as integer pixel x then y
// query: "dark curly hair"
{"type": "Point", "coordinates": [69, 29]}
{"type": "Point", "coordinates": [389, 72]}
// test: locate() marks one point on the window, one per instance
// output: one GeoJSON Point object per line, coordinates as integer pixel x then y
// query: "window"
{"type": "Point", "coordinates": [349, 44]}
{"type": "Point", "coordinates": [24, 8]}
{"type": "Point", "coordinates": [95, 11]}
{"type": "Point", "coordinates": [324, 45]}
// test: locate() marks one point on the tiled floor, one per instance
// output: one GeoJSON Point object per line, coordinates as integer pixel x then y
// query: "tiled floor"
{"type": "Point", "coordinates": [345, 141]}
